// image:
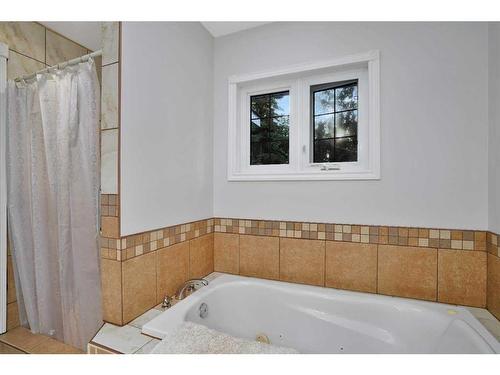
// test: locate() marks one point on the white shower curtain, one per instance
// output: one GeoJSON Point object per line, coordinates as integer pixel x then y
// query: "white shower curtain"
{"type": "Point", "coordinates": [53, 189]}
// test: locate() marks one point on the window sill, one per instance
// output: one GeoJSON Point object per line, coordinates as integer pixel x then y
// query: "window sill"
{"type": "Point", "coordinates": [306, 176]}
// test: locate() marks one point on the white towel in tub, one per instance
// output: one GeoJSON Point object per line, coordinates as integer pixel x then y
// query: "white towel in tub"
{"type": "Point", "coordinates": [191, 338]}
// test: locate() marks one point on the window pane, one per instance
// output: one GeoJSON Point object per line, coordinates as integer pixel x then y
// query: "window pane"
{"type": "Point", "coordinates": [280, 128]}
{"type": "Point", "coordinates": [346, 124]}
{"type": "Point", "coordinates": [335, 122]}
{"type": "Point", "coordinates": [269, 136]}
{"type": "Point", "coordinates": [346, 149]}
{"type": "Point", "coordinates": [324, 126]}
{"type": "Point", "coordinates": [259, 131]}
{"type": "Point", "coordinates": [324, 101]}
{"type": "Point", "coordinates": [280, 104]}
{"type": "Point", "coordinates": [323, 150]}
{"type": "Point", "coordinates": [346, 98]}
{"type": "Point", "coordinates": [260, 106]}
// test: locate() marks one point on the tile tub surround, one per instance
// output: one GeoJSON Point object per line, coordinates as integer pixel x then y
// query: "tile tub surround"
{"type": "Point", "coordinates": [344, 256]}
{"type": "Point", "coordinates": [443, 265]}
{"type": "Point", "coordinates": [493, 274]}
{"type": "Point", "coordinates": [134, 285]}
{"type": "Point", "coordinates": [129, 339]}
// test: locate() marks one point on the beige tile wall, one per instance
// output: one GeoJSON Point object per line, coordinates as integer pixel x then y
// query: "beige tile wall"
{"type": "Point", "coordinates": [493, 274]}
{"type": "Point", "coordinates": [32, 47]}
{"type": "Point", "coordinates": [278, 251]}
{"type": "Point", "coordinates": [434, 274]}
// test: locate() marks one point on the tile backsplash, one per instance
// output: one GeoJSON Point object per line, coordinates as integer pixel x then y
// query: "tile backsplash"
{"type": "Point", "coordinates": [443, 265]}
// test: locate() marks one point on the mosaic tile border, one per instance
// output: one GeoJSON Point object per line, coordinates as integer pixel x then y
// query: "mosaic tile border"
{"type": "Point", "coordinates": [374, 234]}
{"type": "Point", "coordinates": [493, 243]}
{"type": "Point", "coordinates": [128, 247]}
{"type": "Point", "coordinates": [110, 205]}
{"type": "Point", "coordinates": [135, 245]}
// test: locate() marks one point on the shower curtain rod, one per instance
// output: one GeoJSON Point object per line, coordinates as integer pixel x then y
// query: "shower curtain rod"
{"type": "Point", "coordinates": [60, 65]}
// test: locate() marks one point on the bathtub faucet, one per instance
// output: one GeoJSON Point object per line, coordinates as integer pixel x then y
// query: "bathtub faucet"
{"type": "Point", "coordinates": [190, 286]}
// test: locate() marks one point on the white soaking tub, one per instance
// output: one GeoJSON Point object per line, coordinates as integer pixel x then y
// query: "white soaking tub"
{"type": "Point", "coordinates": [323, 320]}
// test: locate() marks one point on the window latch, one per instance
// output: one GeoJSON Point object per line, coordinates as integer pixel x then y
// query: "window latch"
{"type": "Point", "coordinates": [325, 167]}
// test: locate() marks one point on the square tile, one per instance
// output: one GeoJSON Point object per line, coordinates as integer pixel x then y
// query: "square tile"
{"type": "Point", "coordinates": [110, 42]}
{"type": "Point", "coordinates": [351, 266]}
{"type": "Point", "coordinates": [110, 227]}
{"type": "Point", "coordinates": [139, 285]}
{"type": "Point", "coordinates": [19, 65]}
{"type": "Point", "coordinates": [21, 338]}
{"type": "Point", "coordinates": [407, 272]}
{"type": "Point", "coordinates": [302, 261]}
{"type": "Point", "coordinates": [27, 38]}
{"type": "Point", "coordinates": [493, 299]}
{"type": "Point", "coordinates": [109, 161]}
{"type": "Point", "coordinates": [172, 269]}
{"type": "Point", "coordinates": [51, 346]}
{"type": "Point", "coordinates": [7, 349]}
{"type": "Point", "coordinates": [109, 97]}
{"type": "Point", "coordinates": [201, 256]}
{"type": "Point", "coordinates": [462, 277]}
{"type": "Point", "coordinates": [60, 49]}
{"type": "Point", "coordinates": [111, 290]}
{"type": "Point", "coordinates": [126, 339]}
{"type": "Point", "coordinates": [145, 318]}
{"type": "Point", "coordinates": [259, 256]}
{"type": "Point", "coordinates": [227, 253]}
{"type": "Point", "coordinates": [148, 348]}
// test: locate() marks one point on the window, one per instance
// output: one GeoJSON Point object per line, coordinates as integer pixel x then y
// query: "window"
{"type": "Point", "coordinates": [317, 122]}
{"type": "Point", "coordinates": [334, 119]}
{"type": "Point", "coordinates": [269, 128]}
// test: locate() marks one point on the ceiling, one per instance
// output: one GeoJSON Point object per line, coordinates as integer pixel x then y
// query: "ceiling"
{"type": "Point", "coordinates": [223, 28]}
{"type": "Point", "coordinates": [88, 34]}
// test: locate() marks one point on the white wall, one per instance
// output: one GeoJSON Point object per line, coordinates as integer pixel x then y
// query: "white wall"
{"type": "Point", "coordinates": [494, 128]}
{"type": "Point", "coordinates": [166, 120]}
{"type": "Point", "coordinates": [434, 121]}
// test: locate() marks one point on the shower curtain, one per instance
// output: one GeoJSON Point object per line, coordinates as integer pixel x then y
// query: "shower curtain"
{"type": "Point", "coordinates": [53, 189]}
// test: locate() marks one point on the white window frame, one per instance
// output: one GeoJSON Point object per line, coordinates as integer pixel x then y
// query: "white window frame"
{"type": "Point", "coordinates": [297, 80]}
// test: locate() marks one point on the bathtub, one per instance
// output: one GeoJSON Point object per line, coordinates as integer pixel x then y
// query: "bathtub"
{"type": "Point", "coordinates": [324, 320]}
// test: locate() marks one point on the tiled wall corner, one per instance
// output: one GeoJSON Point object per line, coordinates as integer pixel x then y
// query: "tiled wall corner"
{"type": "Point", "coordinates": [112, 267]}
{"type": "Point", "coordinates": [493, 275]}
{"type": "Point", "coordinates": [111, 289]}
{"type": "Point", "coordinates": [462, 277]}
{"type": "Point", "coordinates": [139, 285]}
{"type": "Point", "coordinates": [154, 273]}
{"type": "Point", "coordinates": [172, 269]}
{"type": "Point", "coordinates": [227, 253]}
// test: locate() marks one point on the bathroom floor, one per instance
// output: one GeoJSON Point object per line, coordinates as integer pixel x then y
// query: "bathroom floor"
{"type": "Point", "coordinates": [21, 341]}
{"type": "Point", "coordinates": [128, 339]}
